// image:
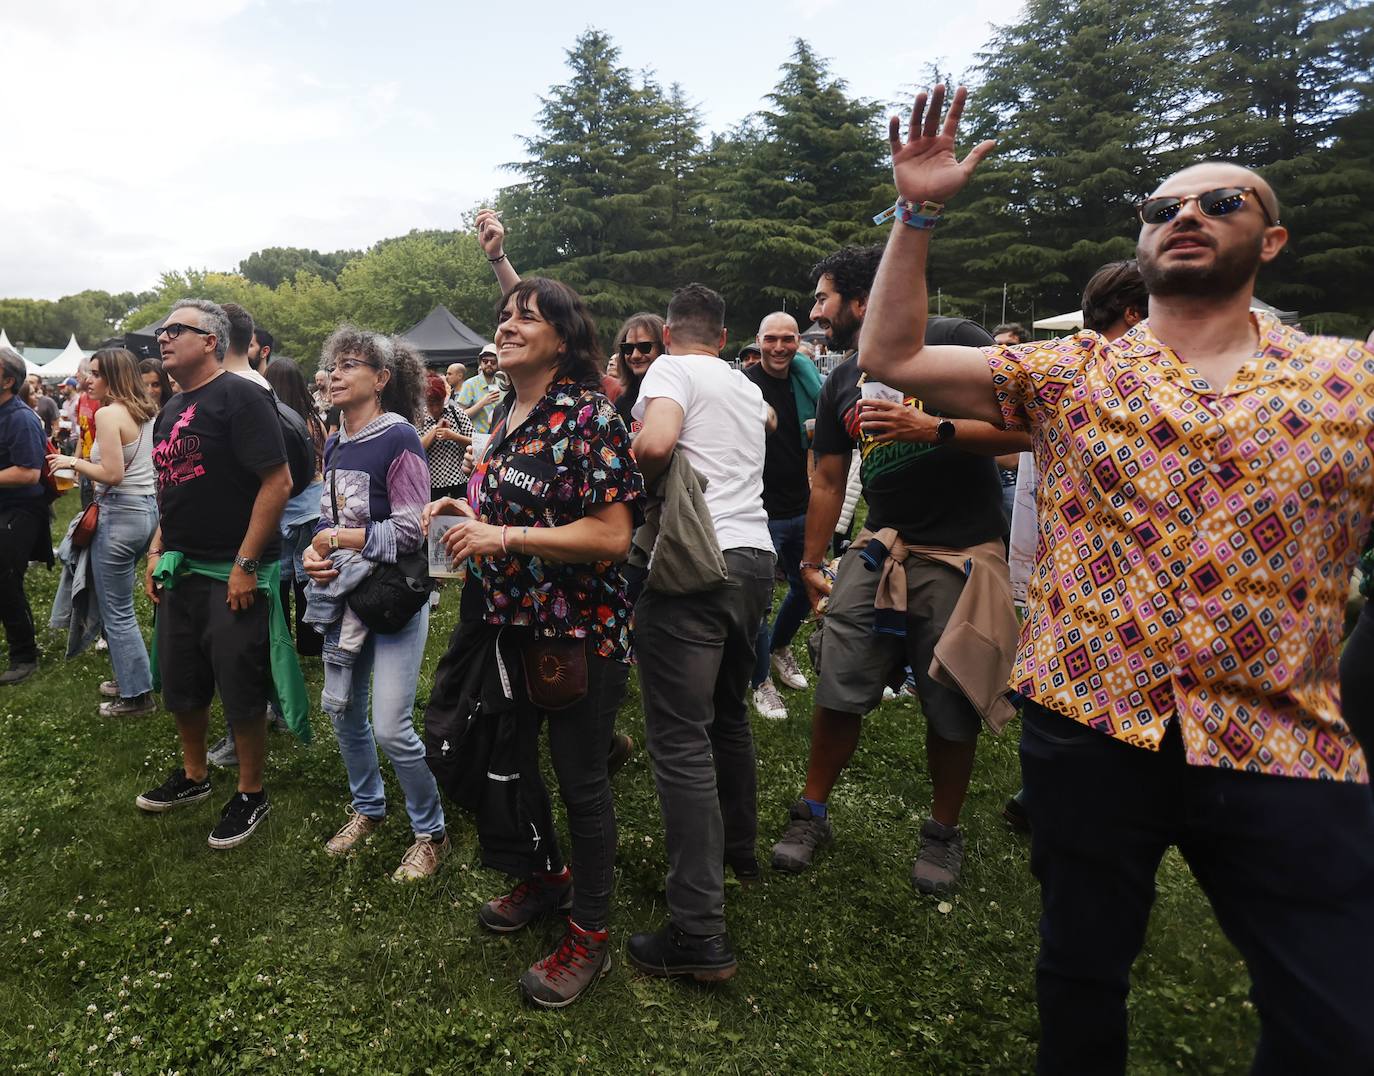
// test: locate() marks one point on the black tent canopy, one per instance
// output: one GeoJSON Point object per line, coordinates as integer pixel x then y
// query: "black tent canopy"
{"type": "Point", "coordinates": [443, 339]}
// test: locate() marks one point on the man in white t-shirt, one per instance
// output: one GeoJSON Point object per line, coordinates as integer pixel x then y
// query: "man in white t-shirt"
{"type": "Point", "coordinates": [696, 651]}
{"type": "Point", "coordinates": [236, 359]}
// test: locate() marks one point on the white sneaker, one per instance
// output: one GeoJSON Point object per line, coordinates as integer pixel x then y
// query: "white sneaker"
{"type": "Point", "coordinates": [768, 702]}
{"type": "Point", "coordinates": [789, 673]}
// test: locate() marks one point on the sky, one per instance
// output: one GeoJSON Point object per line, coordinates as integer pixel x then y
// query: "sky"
{"type": "Point", "coordinates": [146, 135]}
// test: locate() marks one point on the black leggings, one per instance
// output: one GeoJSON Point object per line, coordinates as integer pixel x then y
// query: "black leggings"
{"type": "Point", "coordinates": [1357, 679]}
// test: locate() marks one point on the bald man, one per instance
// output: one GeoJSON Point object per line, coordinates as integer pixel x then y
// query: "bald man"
{"type": "Point", "coordinates": [455, 375]}
{"type": "Point", "coordinates": [790, 386]}
{"type": "Point", "coordinates": [1207, 484]}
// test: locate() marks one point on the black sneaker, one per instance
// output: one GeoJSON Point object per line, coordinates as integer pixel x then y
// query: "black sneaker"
{"type": "Point", "coordinates": [177, 791]}
{"type": "Point", "coordinates": [622, 747]}
{"type": "Point", "coordinates": [667, 952]}
{"type": "Point", "coordinates": [239, 818]}
{"type": "Point", "coordinates": [746, 868]}
{"type": "Point", "coordinates": [1014, 814]}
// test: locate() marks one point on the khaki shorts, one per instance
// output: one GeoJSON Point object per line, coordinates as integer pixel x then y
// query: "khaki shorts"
{"type": "Point", "coordinates": [856, 664]}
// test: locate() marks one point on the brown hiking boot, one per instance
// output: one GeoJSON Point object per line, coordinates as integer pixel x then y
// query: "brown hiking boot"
{"type": "Point", "coordinates": [936, 868]}
{"type": "Point", "coordinates": [582, 957]}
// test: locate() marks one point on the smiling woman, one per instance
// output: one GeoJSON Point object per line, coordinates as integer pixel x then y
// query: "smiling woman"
{"type": "Point", "coordinates": [549, 518]}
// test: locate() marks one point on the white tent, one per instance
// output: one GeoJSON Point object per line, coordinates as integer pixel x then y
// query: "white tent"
{"type": "Point", "coordinates": [5, 340]}
{"type": "Point", "coordinates": [29, 367]}
{"type": "Point", "coordinates": [66, 364]}
{"type": "Point", "coordinates": [1061, 322]}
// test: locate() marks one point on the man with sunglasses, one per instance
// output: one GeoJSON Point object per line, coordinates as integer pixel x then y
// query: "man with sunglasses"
{"type": "Point", "coordinates": [222, 482]}
{"type": "Point", "coordinates": [482, 392]}
{"type": "Point", "coordinates": [1207, 480]}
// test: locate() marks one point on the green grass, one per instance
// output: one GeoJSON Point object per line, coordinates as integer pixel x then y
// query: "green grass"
{"type": "Point", "coordinates": [127, 945]}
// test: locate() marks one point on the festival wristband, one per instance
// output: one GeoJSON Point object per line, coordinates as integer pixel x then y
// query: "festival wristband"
{"type": "Point", "coordinates": [809, 565]}
{"type": "Point", "coordinates": [912, 214]}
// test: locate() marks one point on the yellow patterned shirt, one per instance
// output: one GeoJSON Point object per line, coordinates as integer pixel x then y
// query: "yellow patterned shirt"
{"type": "Point", "coordinates": [1195, 546]}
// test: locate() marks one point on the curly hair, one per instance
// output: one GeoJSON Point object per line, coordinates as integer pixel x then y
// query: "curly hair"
{"type": "Point", "coordinates": [645, 322]}
{"type": "Point", "coordinates": [852, 269]}
{"type": "Point", "coordinates": [405, 388]}
{"type": "Point", "coordinates": [565, 311]}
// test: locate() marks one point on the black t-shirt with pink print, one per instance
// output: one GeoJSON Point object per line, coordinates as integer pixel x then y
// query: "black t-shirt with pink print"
{"type": "Point", "coordinates": [209, 446]}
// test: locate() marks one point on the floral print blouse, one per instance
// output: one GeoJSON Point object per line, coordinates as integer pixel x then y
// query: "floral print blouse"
{"type": "Point", "coordinates": [571, 454]}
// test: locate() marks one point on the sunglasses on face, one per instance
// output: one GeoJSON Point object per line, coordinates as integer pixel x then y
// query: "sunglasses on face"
{"type": "Point", "coordinates": [176, 328]}
{"type": "Point", "coordinates": [1215, 203]}
{"type": "Point", "coordinates": [644, 347]}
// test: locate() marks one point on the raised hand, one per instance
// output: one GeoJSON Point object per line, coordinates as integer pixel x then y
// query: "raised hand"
{"type": "Point", "coordinates": [491, 233]}
{"type": "Point", "coordinates": [924, 167]}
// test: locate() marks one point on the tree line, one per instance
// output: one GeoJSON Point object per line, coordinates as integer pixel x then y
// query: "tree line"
{"type": "Point", "coordinates": [1092, 102]}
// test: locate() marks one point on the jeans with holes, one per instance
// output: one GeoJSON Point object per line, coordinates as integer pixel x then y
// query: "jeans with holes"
{"type": "Point", "coordinates": [383, 679]}
{"type": "Point", "coordinates": [127, 523]}
{"type": "Point", "coordinates": [789, 540]}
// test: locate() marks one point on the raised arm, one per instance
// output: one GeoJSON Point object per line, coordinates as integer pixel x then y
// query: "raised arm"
{"type": "Point", "coordinates": [491, 234]}
{"type": "Point", "coordinates": [952, 379]}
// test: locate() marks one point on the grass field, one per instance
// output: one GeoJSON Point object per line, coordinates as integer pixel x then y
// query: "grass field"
{"type": "Point", "coordinates": [127, 945]}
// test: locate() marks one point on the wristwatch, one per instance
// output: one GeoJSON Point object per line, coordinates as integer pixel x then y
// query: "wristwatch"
{"type": "Point", "coordinates": [249, 566]}
{"type": "Point", "coordinates": [333, 537]}
{"type": "Point", "coordinates": [944, 432]}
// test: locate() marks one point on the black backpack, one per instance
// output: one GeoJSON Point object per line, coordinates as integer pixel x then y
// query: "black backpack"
{"type": "Point", "coordinates": [300, 449]}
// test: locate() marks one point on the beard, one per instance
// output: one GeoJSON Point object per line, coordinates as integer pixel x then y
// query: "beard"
{"type": "Point", "coordinates": [1230, 271]}
{"type": "Point", "coordinates": [844, 330]}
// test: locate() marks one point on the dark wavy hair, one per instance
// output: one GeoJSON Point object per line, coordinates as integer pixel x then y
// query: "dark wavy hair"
{"type": "Point", "coordinates": [565, 311]}
{"type": "Point", "coordinates": [646, 323]}
{"type": "Point", "coordinates": [164, 383]}
{"type": "Point", "coordinates": [1114, 289]}
{"type": "Point", "coordinates": [852, 269]}
{"type": "Point", "coordinates": [289, 384]}
{"type": "Point", "coordinates": [404, 391]}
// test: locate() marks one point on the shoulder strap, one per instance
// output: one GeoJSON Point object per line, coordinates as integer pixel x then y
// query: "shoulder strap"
{"type": "Point", "coordinates": [333, 488]}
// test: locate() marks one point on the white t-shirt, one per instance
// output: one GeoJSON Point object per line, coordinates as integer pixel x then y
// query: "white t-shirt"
{"type": "Point", "coordinates": [722, 437]}
{"type": "Point", "coordinates": [253, 376]}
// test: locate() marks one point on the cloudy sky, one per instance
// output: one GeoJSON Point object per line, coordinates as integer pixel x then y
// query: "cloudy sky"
{"type": "Point", "coordinates": [143, 135]}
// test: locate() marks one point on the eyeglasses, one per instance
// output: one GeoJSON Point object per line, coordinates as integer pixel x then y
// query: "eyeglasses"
{"type": "Point", "coordinates": [1215, 203]}
{"type": "Point", "coordinates": [644, 347]}
{"type": "Point", "coordinates": [347, 366]}
{"type": "Point", "coordinates": [176, 328]}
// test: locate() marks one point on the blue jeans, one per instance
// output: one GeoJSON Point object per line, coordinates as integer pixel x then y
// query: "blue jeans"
{"type": "Point", "coordinates": [127, 523]}
{"type": "Point", "coordinates": [789, 540]}
{"type": "Point", "coordinates": [385, 673]}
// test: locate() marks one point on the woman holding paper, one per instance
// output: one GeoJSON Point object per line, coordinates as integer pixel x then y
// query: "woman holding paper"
{"type": "Point", "coordinates": [550, 511]}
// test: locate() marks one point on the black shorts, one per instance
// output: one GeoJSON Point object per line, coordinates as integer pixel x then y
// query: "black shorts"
{"type": "Point", "coordinates": [203, 646]}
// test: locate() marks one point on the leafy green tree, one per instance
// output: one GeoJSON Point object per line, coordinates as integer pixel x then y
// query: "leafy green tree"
{"type": "Point", "coordinates": [278, 265]}
{"type": "Point", "coordinates": [401, 280]}
{"type": "Point", "coordinates": [788, 186]}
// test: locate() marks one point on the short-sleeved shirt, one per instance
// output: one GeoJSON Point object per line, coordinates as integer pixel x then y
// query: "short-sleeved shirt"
{"type": "Point", "coordinates": [1196, 543]}
{"type": "Point", "coordinates": [474, 388]}
{"type": "Point", "coordinates": [86, 407]}
{"type": "Point", "coordinates": [209, 445]}
{"type": "Point", "coordinates": [931, 494]}
{"type": "Point", "coordinates": [723, 423]}
{"type": "Point", "coordinates": [22, 444]}
{"type": "Point", "coordinates": [786, 488]}
{"type": "Point", "coordinates": [569, 456]}
{"type": "Point", "coordinates": [446, 457]}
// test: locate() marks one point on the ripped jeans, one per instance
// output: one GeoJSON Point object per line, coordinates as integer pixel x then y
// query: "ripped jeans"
{"type": "Point", "coordinates": [383, 679]}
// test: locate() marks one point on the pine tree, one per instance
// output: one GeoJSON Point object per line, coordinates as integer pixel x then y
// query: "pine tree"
{"type": "Point", "coordinates": [788, 186]}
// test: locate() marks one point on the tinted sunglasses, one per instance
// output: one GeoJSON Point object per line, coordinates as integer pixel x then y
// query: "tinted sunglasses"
{"type": "Point", "coordinates": [1215, 203]}
{"type": "Point", "coordinates": [644, 347]}
{"type": "Point", "coordinates": [176, 328]}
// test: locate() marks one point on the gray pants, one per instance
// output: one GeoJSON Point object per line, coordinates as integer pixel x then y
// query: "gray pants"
{"type": "Point", "coordinates": [696, 656]}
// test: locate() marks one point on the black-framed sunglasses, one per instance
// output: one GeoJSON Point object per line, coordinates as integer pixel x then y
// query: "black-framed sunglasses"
{"type": "Point", "coordinates": [1220, 202]}
{"type": "Point", "coordinates": [176, 328]}
{"type": "Point", "coordinates": [644, 347]}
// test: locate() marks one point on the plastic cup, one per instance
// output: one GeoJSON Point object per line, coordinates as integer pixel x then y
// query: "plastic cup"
{"type": "Point", "coordinates": [440, 567]}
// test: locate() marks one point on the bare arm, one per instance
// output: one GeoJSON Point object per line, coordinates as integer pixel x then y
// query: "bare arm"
{"type": "Point", "coordinates": [20, 476]}
{"type": "Point", "coordinates": [491, 234]}
{"type": "Point", "coordinates": [887, 420]}
{"type": "Point", "coordinates": [602, 534]}
{"type": "Point", "coordinates": [822, 514]}
{"type": "Point", "coordinates": [110, 469]}
{"type": "Point", "coordinates": [654, 444]}
{"type": "Point", "coordinates": [892, 347]}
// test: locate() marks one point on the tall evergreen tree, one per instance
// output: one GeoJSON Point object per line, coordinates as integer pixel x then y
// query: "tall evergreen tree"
{"type": "Point", "coordinates": [604, 182]}
{"type": "Point", "coordinates": [788, 186]}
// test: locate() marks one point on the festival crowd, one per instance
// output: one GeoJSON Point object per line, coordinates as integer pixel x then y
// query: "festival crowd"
{"type": "Point", "coordinates": [1193, 486]}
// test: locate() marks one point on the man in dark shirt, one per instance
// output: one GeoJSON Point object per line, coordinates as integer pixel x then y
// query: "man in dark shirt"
{"type": "Point", "coordinates": [932, 479]}
{"type": "Point", "coordinates": [222, 483]}
{"type": "Point", "coordinates": [790, 387]}
{"type": "Point", "coordinates": [23, 515]}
